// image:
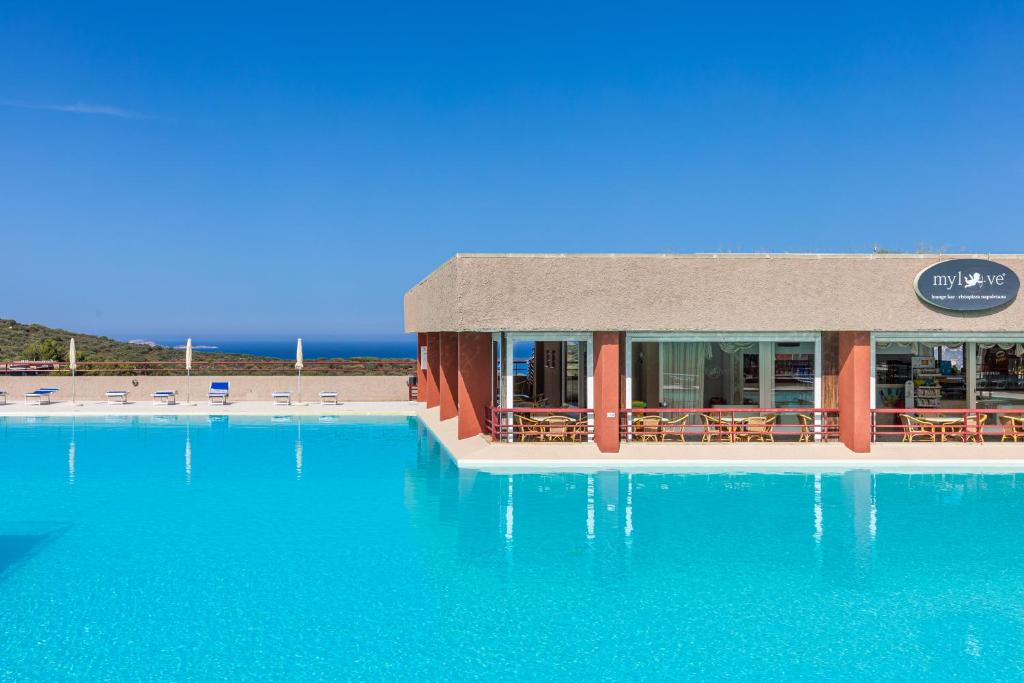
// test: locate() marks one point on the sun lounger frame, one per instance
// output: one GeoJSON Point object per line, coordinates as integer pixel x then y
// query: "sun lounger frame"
{"type": "Point", "coordinates": [218, 393]}
{"type": "Point", "coordinates": [41, 395]}
{"type": "Point", "coordinates": [167, 398]}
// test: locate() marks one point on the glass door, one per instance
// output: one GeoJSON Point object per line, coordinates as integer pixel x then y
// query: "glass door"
{"type": "Point", "coordinates": [794, 375]}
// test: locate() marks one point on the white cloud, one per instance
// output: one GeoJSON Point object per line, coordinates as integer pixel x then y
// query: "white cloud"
{"type": "Point", "coordinates": [82, 108]}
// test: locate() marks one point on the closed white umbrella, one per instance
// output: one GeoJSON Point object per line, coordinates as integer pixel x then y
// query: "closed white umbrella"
{"type": "Point", "coordinates": [298, 366]}
{"type": "Point", "coordinates": [188, 368]}
{"type": "Point", "coordinates": [73, 364]}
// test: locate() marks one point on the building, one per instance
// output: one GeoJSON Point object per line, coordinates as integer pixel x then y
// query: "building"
{"type": "Point", "coordinates": [808, 346]}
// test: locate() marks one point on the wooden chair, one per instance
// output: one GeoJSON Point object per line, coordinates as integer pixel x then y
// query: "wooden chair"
{"type": "Point", "coordinates": [759, 428]}
{"type": "Point", "coordinates": [806, 428]}
{"type": "Point", "coordinates": [714, 428]}
{"type": "Point", "coordinates": [558, 428]}
{"type": "Point", "coordinates": [972, 428]}
{"type": "Point", "coordinates": [675, 428]}
{"type": "Point", "coordinates": [647, 428]}
{"type": "Point", "coordinates": [1013, 428]}
{"type": "Point", "coordinates": [527, 428]}
{"type": "Point", "coordinates": [914, 428]}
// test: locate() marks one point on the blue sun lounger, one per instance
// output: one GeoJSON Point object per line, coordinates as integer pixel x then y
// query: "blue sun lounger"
{"type": "Point", "coordinates": [165, 397]}
{"type": "Point", "coordinates": [219, 393]}
{"type": "Point", "coordinates": [41, 396]}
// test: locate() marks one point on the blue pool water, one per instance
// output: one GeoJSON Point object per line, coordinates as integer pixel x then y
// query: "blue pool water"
{"type": "Point", "coordinates": [147, 549]}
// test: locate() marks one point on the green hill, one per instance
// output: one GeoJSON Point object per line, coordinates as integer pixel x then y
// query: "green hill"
{"type": "Point", "coordinates": [31, 341]}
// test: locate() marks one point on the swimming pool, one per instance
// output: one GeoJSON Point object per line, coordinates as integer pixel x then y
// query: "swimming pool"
{"type": "Point", "coordinates": [203, 548]}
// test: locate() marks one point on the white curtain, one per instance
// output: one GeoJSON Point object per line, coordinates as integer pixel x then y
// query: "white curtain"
{"type": "Point", "coordinates": [732, 370]}
{"type": "Point", "coordinates": [736, 347]}
{"type": "Point", "coordinates": [1016, 349]}
{"type": "Point", "coordinates": [682, 373]}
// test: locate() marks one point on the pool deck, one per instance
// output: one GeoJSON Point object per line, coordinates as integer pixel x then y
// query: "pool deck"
{"type": "Point", "coordinates": [479, 453]}
{"type": "Point", "coordinates": [64, 408]}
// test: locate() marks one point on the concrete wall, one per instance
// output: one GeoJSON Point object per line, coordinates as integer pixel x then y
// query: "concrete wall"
{"type": "Point", "coordinates": [777, 292]}
{"type": "Point", "coordinates": [243, 388]}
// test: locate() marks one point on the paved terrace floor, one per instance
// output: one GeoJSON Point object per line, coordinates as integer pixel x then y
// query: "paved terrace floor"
{"type": "Point", "coordinates": [480, 453]}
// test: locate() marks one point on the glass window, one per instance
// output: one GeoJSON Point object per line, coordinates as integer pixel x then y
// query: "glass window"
{"type": "Point", "coordinates": [682, 374]}
{"type": "Point", "coordinates": [794, 375]}
{"type": "Point", "coordinates": [1000, 376]}
{"type": "Point", "coordinates": [574, 354]}
{"type": "Point", "coordinates": [549, 374]}
{"type": "Point", "coordinates": [920, 375]}
{"type": "Point", "coordinates": [722, 374]}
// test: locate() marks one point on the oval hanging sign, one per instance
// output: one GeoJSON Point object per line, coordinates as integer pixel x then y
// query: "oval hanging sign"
{"type": "Point", "coordinates": [967, 285]}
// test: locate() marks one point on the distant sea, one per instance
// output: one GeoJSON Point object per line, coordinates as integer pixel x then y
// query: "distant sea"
{"type": "Point", "coordinates": [311, 348]}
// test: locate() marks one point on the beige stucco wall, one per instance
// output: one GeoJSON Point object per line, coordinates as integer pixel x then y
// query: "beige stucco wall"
{"type": "Point", "coordinates": [243, 388]}
{"type": "Point", "coordinates": [716, 292]}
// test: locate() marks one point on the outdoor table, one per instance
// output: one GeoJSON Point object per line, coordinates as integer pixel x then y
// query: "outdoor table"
{"type": "Point", "coordinates": [943, 423]}
{"type": "Point", "coordinates": [736, 424]}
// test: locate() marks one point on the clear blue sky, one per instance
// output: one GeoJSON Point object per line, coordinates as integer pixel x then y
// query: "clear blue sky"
{"type": "Point", "coordinates": [274, 169]}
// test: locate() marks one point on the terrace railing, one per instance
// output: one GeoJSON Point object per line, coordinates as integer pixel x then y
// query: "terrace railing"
{"type": "Point", "coordinates": [679, 425]}
{"type": "Point", "coordinates": [214, 367]}
{"type": "Point", "coordinates": [729, 425]}
{"type": "Point", "coordinates": [935, 425]}
{"type": "Point", "coordinates": [540, 425]}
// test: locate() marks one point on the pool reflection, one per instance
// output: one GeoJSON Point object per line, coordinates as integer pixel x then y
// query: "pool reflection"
{"type": "Point", "coordinates": [841, 528]}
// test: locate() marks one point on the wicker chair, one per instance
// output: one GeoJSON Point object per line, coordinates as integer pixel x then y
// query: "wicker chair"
{"type": "Point", "coordinates": [972, 428]}
{"type": "Point", "coordinates": [648, 428]}
{"type": "Point", "coordinates": [527, 428]}
{"type": "Point", "coordinates": [581, 430]}
{"type": "Point", "coordinates": [1013, 428]}
{"type": "Point", "coordinates": [914, 428]}
{"type": "Point", "coordinates": [674, 428]}
{"type": "Point", "coordinates": [759, 429]}
{"type": "Point", "coordinates": [807, 427]}
{"type": "Point", "coordinates": [558, 428]}
{"type": "Point", "coordinates": [714, 428]}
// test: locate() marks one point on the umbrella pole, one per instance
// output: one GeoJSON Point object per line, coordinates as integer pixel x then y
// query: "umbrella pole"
{"type": "Point", "coordinates": [188, 376]}
{"type": "Point", "coordinates": [298, 391]}
{"type": "Point", "coordinates": [72, 386]}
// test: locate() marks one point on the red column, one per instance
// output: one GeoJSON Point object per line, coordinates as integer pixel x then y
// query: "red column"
{"type": "Point", "coordinates": [432, 393]}
{"type": "Point", "coordinates": [855, 391]}
{"type": "Point", "coordinates": [448, 381]}
{"type": "Point", "coordinates": [421, 373]}
{"type": "Point", "coordinates": [606, 391]}
{"type": "Point", "coordinates": [474, 382]}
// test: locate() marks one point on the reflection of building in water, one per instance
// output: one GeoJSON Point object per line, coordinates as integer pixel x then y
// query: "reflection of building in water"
{"type": "Point", "coordinates": [849, 523]}
{"type": "Point", "coordinates": [619, 519]}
